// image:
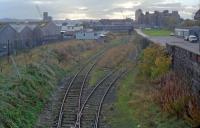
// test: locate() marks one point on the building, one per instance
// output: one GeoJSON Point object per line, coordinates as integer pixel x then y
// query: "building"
{"type": "Point", "coordinates": [183, 32]}
{"type": "Point", "coordinates": [25, 36]}
{"type": "Point", "coordinates": [114, 25]}
{"type": "Point", "coordinates": [72, 28]}
{"type": "Point", "coordinates": [87, 35]}
{"type": "Point", "coordinates": [46, 17]}
{"type": "Point", "coordinates": [157, 19]}
{"type": "Point", "coordinates": [37, 34]}
{"type": "Point", "coordinates": [69, 30]}
{"type": "Point", "coordinates": [8, 37]}
{"type": "Point", "coordinates": [50, 31]}
{"type": "Point", "coordinates": [197, 15]}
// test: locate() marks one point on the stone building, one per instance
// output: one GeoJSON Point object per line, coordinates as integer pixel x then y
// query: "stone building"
{"type": "Point", "coordinates": [157, 19]}
{"type": "Point", "coordinates": [197, 15]}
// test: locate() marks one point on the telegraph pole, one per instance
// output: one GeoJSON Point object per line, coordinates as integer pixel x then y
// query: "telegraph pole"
{"type": "Point", "coordinates": [8, 50]}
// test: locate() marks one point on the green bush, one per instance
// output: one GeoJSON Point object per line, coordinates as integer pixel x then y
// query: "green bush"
{"type": "Point", "coordinates": [154, 62]}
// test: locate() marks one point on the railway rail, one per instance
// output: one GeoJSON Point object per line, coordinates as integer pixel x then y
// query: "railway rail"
{"type": "Point", "coordinates": [69, 105]}
{"type": "Point", "coordinates": [80, 107]}
{"type": "Point", "coordinates": [89, 114]}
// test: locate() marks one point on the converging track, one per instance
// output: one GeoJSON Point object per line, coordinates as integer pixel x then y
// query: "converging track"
{"type": "Point", "coordinates": [89, 114]}
{"type": "Point", "coordinates": [80, 107]}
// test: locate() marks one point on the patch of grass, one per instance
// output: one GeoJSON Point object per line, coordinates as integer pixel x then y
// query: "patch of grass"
{"type": "Point", "coordinates": [157, 32]}
{"type": "Point", "coordinates": [135, 108]}
{"type": "Point", "coordinates": [96, 75]}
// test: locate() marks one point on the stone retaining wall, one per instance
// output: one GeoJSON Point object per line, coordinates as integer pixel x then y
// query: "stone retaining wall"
{"type": "Point", "coordinates": [186, 63]}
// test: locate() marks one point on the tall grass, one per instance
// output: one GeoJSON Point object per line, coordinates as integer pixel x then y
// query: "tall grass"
{"type": "Point", "coordinates": [22, 98]}
{"type": "Point", "coordinates": [175, 97]}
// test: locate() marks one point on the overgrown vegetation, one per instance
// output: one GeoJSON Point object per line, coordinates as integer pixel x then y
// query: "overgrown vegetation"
{"type": "Point", "coordinates": [154, 62]}
{"type": "Point", "coordinates": [28, 79]}
{"type": "Point", "coordinates": [119, 55]}
{"type": "Point", "coordinates": [175, 96]}
{"type": "Point", "coordinates": [135, 106]}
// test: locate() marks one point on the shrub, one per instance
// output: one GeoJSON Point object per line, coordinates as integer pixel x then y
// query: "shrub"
{"type": "Point", "coordinates": [175, 96]}
{"type": "Point", "coordinates": [154, 62]}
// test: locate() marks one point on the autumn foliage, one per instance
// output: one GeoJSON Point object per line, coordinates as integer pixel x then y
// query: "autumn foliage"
{"type": "Point", "coordinates": [175, 96]}
{"type": "Point", "coordinates": [154, 62]}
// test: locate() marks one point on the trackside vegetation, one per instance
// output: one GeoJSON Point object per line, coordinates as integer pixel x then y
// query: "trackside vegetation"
{"type": "Point", "coordinates": [138, 103]}
{"type": "Point", "coordinates": [28, 79]}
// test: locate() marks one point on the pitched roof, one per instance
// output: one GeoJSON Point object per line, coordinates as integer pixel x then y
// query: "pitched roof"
{"type": "Point", "coordinates": [32, 26]}
{"type": "Point", "coordinates": [18, 27]}
{"type": "Point", "coordinates": [2, 26]}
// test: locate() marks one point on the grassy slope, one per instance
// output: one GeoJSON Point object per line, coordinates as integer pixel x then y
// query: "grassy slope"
{"type": "Point", "coordinates": [157, 32]}
{"type": "Point", "coordinates": [134, 108]}
{"type": "Point", "coordinates": [22, 99]}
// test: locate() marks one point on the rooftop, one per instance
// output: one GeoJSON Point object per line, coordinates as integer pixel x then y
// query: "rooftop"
{"type": "Point", "coordinates": [18, 27]}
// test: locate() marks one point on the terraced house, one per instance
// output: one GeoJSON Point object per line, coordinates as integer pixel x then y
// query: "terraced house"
{"type": "Point", "coordinates": [8, 37]}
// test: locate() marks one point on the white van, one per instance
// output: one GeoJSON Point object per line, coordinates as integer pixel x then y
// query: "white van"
{"type": "Point", "coordinates": [193, 38]}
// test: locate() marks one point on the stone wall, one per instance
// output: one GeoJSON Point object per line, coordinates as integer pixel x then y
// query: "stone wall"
{"type": "Point", "coordinates": [186, 63]}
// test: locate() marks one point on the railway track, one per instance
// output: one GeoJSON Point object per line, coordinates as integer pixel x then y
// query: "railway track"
{"type": "Point", "coordinates": [71, 94]}
{"type": "Point", "coordinates": [70, 102]}
{"type": "Point", "coordinates": [80, 105]}
{"type": "Point", "coordinates": [89, 114]}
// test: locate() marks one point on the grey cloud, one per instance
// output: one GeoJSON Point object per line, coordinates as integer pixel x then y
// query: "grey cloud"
{"type": "Point", "coordinates": [93, 8]}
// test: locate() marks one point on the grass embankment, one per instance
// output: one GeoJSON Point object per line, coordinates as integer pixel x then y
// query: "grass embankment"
{"type": "Point", "coordinates": [114, 58]}
{"type": "Point", "coordinates": [27, 81]}
{"type": "Point", "coordinates": [157, 32]}
{"type": "Point", "coordinates": [135, 106]}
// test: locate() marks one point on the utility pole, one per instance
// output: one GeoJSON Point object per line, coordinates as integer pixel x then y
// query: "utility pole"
{"type": "Point", "coordinates": [8, 50]}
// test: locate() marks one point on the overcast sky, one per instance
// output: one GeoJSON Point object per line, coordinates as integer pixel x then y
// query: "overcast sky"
{"type": "Point", "coordinates": [92, 9]}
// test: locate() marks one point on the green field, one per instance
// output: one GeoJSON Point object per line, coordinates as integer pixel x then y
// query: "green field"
{"type": "Point", "coordinates": [157, 32]}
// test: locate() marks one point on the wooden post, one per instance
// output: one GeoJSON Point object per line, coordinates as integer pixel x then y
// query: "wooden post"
{"type": "Point", "coordinates": [8, 50]}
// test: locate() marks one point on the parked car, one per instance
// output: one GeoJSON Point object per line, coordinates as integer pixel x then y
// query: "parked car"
{"type": "Point", "coordinates": [193, 38]}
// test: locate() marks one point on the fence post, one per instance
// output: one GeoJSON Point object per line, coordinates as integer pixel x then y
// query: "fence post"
{"type": "Point", "coordinates": [8, 51]}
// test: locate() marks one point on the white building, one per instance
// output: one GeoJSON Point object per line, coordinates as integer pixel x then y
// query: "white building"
{"type": "Point", "coordinates": [90, 35]}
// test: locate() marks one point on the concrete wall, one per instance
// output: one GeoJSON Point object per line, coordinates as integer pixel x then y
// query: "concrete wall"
{"type": "Point", "coordinates": [186, 63]}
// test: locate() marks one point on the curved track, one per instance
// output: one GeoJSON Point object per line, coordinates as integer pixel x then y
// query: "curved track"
{"type": "Point", "coordinates": [89, 114]}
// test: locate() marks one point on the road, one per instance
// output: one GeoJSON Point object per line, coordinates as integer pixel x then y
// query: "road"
{"type": "Point", "coordinates": [172, 40]}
